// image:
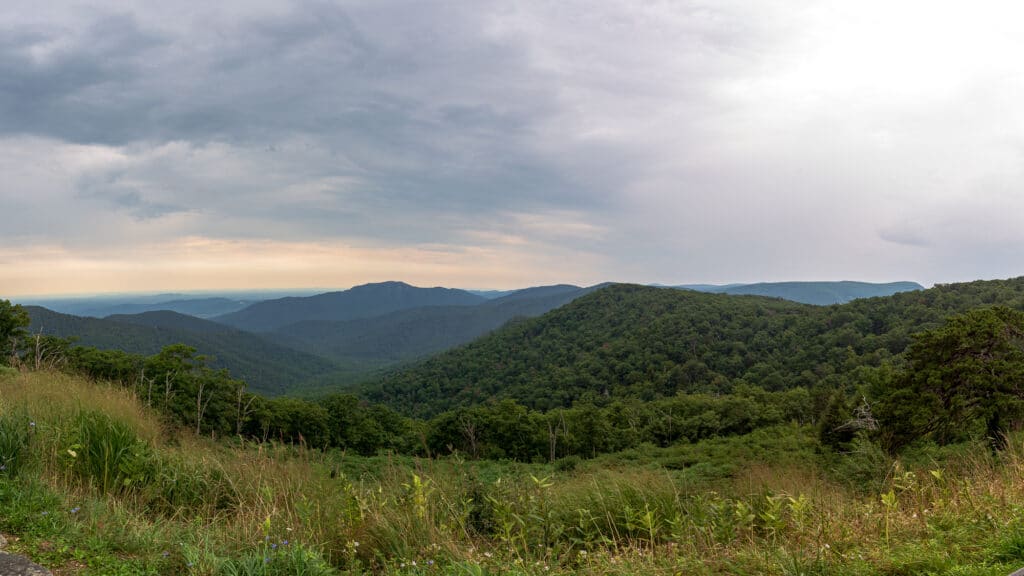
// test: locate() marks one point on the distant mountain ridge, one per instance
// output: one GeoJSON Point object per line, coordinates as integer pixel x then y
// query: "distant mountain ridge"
{"type": "Point", "coordinates": [818, 293]}
{"type": "Point", "coordinates": [320, 353]}
{"type": "Point", "coordinates": [417, 332]}
{"type": "Point", "coordinates": [363, 301]}
{"type": "Point", "coordinates": [198, 307]}
{"type": "Point", "coordinates": [267, 367]}
{"type": "Point", "coordinates": [334, 339]}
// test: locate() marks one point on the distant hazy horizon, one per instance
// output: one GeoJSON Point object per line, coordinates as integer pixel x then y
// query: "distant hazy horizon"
{"type": "Point", "coordinates": [308, 291]}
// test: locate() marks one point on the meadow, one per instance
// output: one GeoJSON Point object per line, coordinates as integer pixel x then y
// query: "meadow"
{"type": "Point", "coordinates": [93, 483]}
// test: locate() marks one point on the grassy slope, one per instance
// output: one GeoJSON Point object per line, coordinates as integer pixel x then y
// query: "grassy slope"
{"type": "Point", "coordinates": [754, 505]}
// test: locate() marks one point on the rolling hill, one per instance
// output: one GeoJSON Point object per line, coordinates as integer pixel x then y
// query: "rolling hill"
{"type": "Point", "coordinates": [266, 367]}
{"type": "Point", "coordinates": [417, 332]}
{"type": "Point", "coordinates": [627, 341]}
{"type": "Point", "coordinates": [363, 301]}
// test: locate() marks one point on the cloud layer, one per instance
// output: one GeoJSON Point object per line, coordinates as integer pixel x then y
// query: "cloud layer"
{"type": "Point", "coordinates": [513, 143]}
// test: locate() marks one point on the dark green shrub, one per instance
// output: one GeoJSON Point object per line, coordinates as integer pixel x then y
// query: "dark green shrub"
{"type": "Point", "coordinates": [15, 436]}
{"type": "Point", "coordinates": [567, 464]}
{"type": "Point", "coordinates": [108, 453]}
{"type": "Point", "coordinates": [865, 466]}
{"type": "Point", "coordinates": [179, 486]}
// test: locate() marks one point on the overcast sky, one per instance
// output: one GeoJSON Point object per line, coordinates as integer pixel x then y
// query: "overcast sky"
{"type": "Point", "coordinates": [182, 145]}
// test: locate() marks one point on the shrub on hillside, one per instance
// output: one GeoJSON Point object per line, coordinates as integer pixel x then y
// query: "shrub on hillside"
{"type": "Point", "coordinates": [108, 453]}
{"type": "Point", "coordinates": [15, 437]}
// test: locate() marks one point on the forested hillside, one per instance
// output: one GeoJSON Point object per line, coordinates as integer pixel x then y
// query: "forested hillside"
{"type": "Point", "coordinates": [419, 332]}
{"type": "Point", "coordinates": [266, 367]}
{"type": "Point", "coordinates": [626, 366]}
{"type": "Point", "coordinates": [628, 341]}
{"type": "Point", "coordinates": [363, 301]}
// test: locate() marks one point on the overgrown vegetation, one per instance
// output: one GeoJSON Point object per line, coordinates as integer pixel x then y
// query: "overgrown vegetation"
{"type": "Point", "coordinates": [856, 439]}
{"type": "Point", "coordinates": [152, 500]}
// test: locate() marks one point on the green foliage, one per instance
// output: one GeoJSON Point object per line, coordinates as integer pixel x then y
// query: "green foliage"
{"type": "Point", "coordinates": [864, 466]}
{"type": "Point", "coordinates": [834, 430]}
{"type": "Point", "coordinates": [966, 375]}
{"type": "Point", "coordinates": [645, 343]}
{"type": "Point", "coordinates": [13, 321]}
{"type": "Point", "coordinates": [276, 559]}
{"type": "Point", "coordinates": [179, 486]}
{"type": "Point", "coordinates": [108, 453]}
{"type": "Point", "coordinates": [266, 366]}
{"type": "Point", "coordinates": [16, 431]}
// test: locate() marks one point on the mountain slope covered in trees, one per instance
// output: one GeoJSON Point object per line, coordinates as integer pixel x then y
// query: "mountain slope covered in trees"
{"type": "Point", "coordinates": [627, 341]}
{"type": "Point", "coordinates": [363, 301]}
{"type": "Point", "coordinates": [266, 367]}
{"type": "Point", "coordinates": [418, 332]}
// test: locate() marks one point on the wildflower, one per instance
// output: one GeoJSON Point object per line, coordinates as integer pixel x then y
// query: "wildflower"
{"type": "Point", "coordinates": [75, 509]}
{"type": "Point", "coordinates": [165, 553]}
{"type": "Point", "coordinates": [266, 538]}
{"type": "Point", "coordinates": [487, 554]}
{"type": "Point", "coordinates": [45, 513]}
{"type": "Point", "coordinates": [284, 543]}
{"type": "Point", "coordinates": [32, 424]}
{"type": "Point", "coordinates": [266, 559]}
{"type": "Point", "coordinates": [430, 562]}
{"type": "Point", "coordinates": [273, 546]}
{"type": "Point", "coordinates": [3, 467]}
{"type": "Point", "coordinates": [355, 543]}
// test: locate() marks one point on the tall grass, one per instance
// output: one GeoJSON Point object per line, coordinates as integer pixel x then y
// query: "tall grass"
{"type": "Point", "coordinates": [135, 498]}
{"type": "Point", "coordinates": [16, 430]}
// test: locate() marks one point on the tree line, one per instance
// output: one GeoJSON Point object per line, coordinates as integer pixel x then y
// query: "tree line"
{"type": "Point", "coordinates": [962, 376]}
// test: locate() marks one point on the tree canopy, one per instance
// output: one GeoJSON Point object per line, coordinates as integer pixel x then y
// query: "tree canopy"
{"type": "Point", "coordinates": [13, 321]}
{"type": "Point", "coordinates": [964, 376]}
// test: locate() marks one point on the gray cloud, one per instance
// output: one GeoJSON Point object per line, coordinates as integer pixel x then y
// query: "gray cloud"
{"type": "Point", "coordinates": [691, 141]}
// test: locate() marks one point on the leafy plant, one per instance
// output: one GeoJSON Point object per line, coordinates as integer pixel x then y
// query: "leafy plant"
{"type": "Point", "coordinates": [16, 429]}
{"type": "Point", "coordinates": [108, 453]}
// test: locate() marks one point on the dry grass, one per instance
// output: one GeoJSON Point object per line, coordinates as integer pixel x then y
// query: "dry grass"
{"type": "Point", "coordinates": [959, 516]}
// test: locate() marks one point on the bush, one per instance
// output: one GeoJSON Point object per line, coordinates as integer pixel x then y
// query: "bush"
{"type": "Point", "coordinates": [180, 486]}
{"type": "Point", "coordinates": [15, 436]}
{"type": "Point", "coordinates": [108, 453]}
{"type": "Point", "coordinates": [567, 464]}
{"type": "Point", "coordinates": [865, 467]}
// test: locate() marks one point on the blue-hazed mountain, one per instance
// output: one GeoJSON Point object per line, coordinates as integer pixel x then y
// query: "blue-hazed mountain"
{"type": "Point", "coordinates": [201, 304]}
{"type": "Point", "coordinates": [819, 293]}
{"type": "Point", "coordinates": [266, 367]}
{"type": "Point", "coordinates": [418, 332]}
{"type": "Point", "coordinates": [363, 301]}
{"type": "Point", "coordinates": [317, 354]}
{"type": "Point", "coordinates": [198, 307]}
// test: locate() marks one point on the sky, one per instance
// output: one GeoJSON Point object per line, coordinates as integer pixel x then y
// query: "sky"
{"type": "Point", "coordinates": [245, 144]}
